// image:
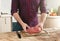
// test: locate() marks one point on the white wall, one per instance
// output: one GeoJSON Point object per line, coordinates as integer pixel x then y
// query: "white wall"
{"type": "Point", "coordinates": [6, 6]}
{"type": "Point", "coordinates": [0, 7]}
{"type": "Point", "coordinates": [53, 4]}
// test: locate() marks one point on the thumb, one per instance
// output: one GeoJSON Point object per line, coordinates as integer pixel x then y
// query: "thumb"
{"type": "Point", "coordinates": [25, 29]}
{"type": "Point", "coordinates": [38, 25]}
{"type": "Point", "coordinates": [28, 27]}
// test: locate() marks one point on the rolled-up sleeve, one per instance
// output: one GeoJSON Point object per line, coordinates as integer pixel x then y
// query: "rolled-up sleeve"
{"type": "Point", "coordinates": [43, 6]}
{"type": "Point", "coordinates": [14, 6]}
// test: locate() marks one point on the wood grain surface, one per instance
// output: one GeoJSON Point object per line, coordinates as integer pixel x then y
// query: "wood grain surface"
{"type": "Point", "coordinates": [12, 36]}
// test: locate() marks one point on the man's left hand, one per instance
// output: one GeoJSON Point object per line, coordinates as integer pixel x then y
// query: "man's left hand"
{"type": "Point", "coordinates": [40, 25]}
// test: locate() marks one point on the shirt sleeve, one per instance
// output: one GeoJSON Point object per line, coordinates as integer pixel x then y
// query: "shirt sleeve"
{"type": "Point", "coordinates": [14, 6]}
{"type": "Point", "coordinates": [43, 6]}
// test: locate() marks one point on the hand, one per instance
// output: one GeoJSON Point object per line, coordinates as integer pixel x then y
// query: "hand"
{"type": "Point", "coordinates": [25, 26]}
{"type": "Point", "coordinates": [40, 25]}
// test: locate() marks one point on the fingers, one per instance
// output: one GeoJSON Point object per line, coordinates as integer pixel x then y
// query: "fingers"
{"type": "Point", "coordinates": [40, 26]}
{"type": "Point", "coordinates": [37, 25]}
{"type": "Point", "coordinates": [28, 27]}
{"type": "Point", "coordinates": [25, 29]}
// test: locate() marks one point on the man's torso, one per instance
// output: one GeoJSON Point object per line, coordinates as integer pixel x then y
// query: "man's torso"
{"type": "Point", "coordinates": [28, 10]}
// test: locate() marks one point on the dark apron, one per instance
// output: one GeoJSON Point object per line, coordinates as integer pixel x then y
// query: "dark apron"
{"type": "Point", "coordinates": [16, 26]}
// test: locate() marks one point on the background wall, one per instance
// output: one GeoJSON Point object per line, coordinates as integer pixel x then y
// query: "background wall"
{"type": "Point", "coordinates": [6, 5]}
{"type": "Point", "coordinates": [53, 4]}
{"type": "Point", "coordinates": [0, 6]}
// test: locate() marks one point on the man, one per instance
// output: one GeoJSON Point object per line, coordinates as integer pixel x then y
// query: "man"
{"type": "Point", "coordinates": [25, 12]}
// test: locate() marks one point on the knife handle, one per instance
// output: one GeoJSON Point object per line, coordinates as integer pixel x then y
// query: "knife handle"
{"type": "Point", "coordinates": [18, 34]}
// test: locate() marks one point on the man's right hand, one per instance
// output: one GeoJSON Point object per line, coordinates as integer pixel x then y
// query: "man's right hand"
{"type": "Point", "coordinates": [18, 18]}
{"type": "Point", "coordinates": [25, 26]}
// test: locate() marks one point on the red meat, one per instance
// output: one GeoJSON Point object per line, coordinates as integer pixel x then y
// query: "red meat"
{"type": "Point", "coordinates": [33, 30]}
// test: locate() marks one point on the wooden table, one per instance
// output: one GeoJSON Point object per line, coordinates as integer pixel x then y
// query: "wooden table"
{"type": "Point", "coordinates": [12, 36]}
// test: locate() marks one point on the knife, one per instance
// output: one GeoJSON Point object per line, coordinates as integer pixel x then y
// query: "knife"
{"type": "Point", "coordinates": [18, 34]}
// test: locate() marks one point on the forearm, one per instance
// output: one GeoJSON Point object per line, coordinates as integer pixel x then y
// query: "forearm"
{"type": "Point", "coordinates": [43, 18]}
{"type": "Point", "coordinates": [17, 17]}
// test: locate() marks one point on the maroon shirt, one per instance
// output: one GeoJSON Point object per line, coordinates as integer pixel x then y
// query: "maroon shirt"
{"type": "Point", "coordinates": [28, 10]}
